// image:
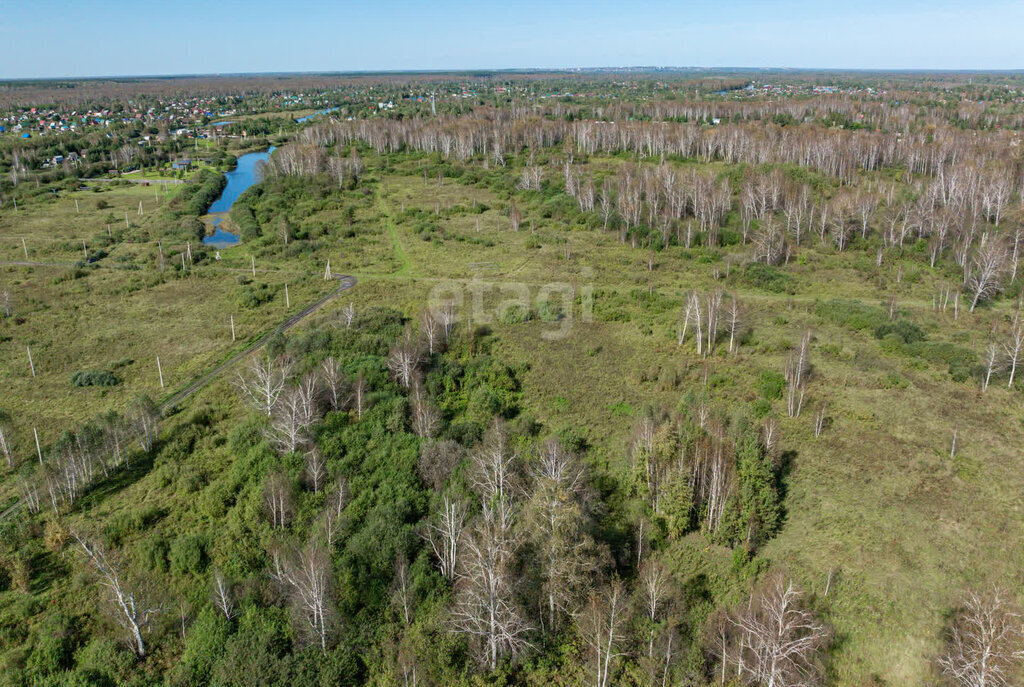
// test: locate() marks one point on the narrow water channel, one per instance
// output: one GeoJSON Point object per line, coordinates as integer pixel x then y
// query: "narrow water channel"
{"type": "Point", "coordinates": [244, 175]}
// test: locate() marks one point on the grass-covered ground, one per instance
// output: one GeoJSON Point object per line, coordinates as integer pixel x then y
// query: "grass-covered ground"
{"type": "Point", "coordinates": [876, 502]}
{"type": "Point", "coordinates": [877, 511]}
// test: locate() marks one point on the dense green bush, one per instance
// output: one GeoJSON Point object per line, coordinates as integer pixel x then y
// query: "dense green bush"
{"type": "Point", "coordinates": [254, 295]}
{"type": "Point", "coordinates": [188, 554]}
{"type": "Point", "coordinates": [771, 384]}
{"type": "Point", "coordinates": [852, 314]}
{"type": "Point", "coordinates": [197, 195]}
{"type": "Point", "coordinates": [52, 644]}
{"type": "Point", "coordinates": [124, 524]}
{"type": "Point", "coordinates": [152, 552]}
{"type": "Point", "coordinates": [905, 331]}
{"type": "Point", "coordinates": [767, 278]}
{"type": "Point", "coordinates": [95, 378]}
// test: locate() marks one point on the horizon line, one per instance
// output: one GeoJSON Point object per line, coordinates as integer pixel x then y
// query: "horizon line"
{"type": "Point", "coordinates": [528, 70]}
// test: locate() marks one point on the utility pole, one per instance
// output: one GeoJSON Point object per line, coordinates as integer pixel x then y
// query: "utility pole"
{"type": "Point", "coordinates": [39, 451]}
{"type": "Point", "coordinates": [327, 273]}
{"type": "Point", "coordinates": [232, 327]}
{"type": "Point", "coordinates": [253, 257]}
{"type": "Point", "coordinates": [287, 301]}
{"type": "Point", "coordinates": [31, 365]}
{"type": "Point", "coordinates": [24, 247]}
{"type": "Point", "coordinates": [85, 251]}
{"type": "Point", "coordinates": [160, 371]}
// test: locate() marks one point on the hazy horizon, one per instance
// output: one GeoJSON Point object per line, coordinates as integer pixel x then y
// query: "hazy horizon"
{"type": "Point", "coordinates": [100, 39]}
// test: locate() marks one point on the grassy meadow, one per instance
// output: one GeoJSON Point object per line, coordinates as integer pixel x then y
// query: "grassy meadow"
{"type": "Point", "coordinates": [882, 525]}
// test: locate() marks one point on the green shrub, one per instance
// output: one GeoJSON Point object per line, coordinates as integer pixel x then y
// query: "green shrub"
{"type": "Point", "coordinates": [768, 278]}
{"type": "Point", "coordinates": [514, 314]}
{"type": "Point", "coordinates": [550, 310]}
{"type": "Point", "coordinates": [152, 552]}
{"type": "Point", "coordinates": [907, 332]}
{"type": "Point", "coordinates": [103, 662]}
{"type": "Point", "coordinates": [771, 384]}
{"type": "Point", "coordinates": [760, 407]}
{"type": "Point", "coordinates": [853, 315]}
{"type": "Point", "coordinates": [124, 524]}
{"type": "Point", "coordinates": [253, 296]}
{"type": "Point", "coordinates": [188, 554]}
{"type": "Point", "coordinates": [95, 378]}
{"type": "Point", "coordinates": [52, 646]}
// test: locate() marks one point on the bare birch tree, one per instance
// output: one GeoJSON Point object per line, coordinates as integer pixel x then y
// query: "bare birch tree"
{"type": "Point", "coordinates": [144, 421]}
{"type": "Point", "coordinates": [132, 611]}
{"type": "Point", "coordinates": [223, 595]}
{"type": "Point", "coordinates": [779, 640]}
{"type": "Point", "coordinates": [555, 518]}
{"type": "Point", "coordinates": [987, 267]}
{"type": "Point", "coordinates": [359, 391]}
{"type": "Point", "coordinates": [289, 421]}
{"type": "Point", "coordinates": [986, 641]}
{"type": "Point", "coordinates": [277, 497]}
{"type": "Point", "coordinates": [6, 440]}
{"type": "Point", "coordinates": [333, 382]}
{"type": "Point", "coordinates": [404, 359]}
{"type": "Point", "coordinates": [601, 626]}
{"type": "Point", "coordinates": [308, 576]}
{"type": "Point", "coordinates": [734, 322]}
{"type": "Point", "coordinates": [426, 418]}
{"type": "Point", "coordinates": [1014, 350]}
{"type": "Point", "coordinates": [654, 591]}
{"type": "Point", "coordinates": [797, 369]}
{"type": "Point", "coordinates": [430, 330]}
{"type": "Point", "coordinates": [262, 382]}
{"type": "Point", "coordinates": [330, 521]}
{"type": "Point", "coordinates": [445, 533]}
{"type": "Point", "coordinates": [485, 609]}
{"type": "Point", "coordinates": [993, 361]}
{"type": "Point", "coordinates": [315, 469]}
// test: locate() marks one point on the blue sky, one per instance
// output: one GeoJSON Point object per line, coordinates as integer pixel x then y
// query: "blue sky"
{"type": "Point", "coordinates": [54, 38]}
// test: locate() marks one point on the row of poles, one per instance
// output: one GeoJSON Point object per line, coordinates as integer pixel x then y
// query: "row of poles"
{"type": "Point", "coordinates": [231, 322]}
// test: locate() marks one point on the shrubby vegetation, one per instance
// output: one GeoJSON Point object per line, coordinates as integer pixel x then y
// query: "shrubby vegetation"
{"type": "Point", "coordinates": [671, 495]}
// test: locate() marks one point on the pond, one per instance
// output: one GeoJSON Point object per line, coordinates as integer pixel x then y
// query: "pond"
{"type": "Point", "coordinates": [245, 174]}
{"type": "Point", "coordinates": [308, 117]}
